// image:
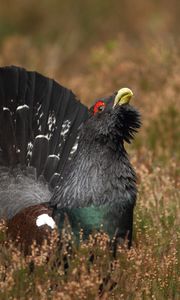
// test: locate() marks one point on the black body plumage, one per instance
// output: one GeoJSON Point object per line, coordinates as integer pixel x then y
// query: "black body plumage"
{"type": "Point", "coordinates": [99, 187]}
{"type": "Point", "coordinates": [100, 171]}
{"type": "Point", "coordinates": [100, 175]}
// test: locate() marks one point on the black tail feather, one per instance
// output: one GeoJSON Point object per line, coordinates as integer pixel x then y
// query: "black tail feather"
{"type": "Point", "coordinates": [40, 153]}
{"type": "Point", "coordinates": [71, 139]}
{"type": "Point", "coordinates": [31, 106]}
{"type": "Point", "coordinates": [9, 87]}
{"type": "Point", "coordinates": [50, 166]}
{"type": "Point", "coordinates": [22, 131]}
{"type": "Point", "coordinates": [7, 137]}
{"type": "Point", "coordinates": [39, 122]}
{"type": "Point", "coordinates": [53, 183]}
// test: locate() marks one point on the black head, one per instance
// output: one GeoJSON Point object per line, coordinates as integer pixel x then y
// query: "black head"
{"type": "Point", "coordinates": [112, 119]}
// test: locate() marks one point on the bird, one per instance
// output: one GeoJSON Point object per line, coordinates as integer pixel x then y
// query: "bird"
{"type": "Point", "coordinates": [99, 187]}
{"type": "Point", "coordinates": [58, 158]}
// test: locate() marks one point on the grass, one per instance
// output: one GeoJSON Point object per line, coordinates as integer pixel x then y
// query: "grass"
{"type": "Point", "coordinates": [93, 56]}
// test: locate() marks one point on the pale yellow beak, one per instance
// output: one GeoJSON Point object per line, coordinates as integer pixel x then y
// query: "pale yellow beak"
{"type": "Point", "coordinates": [123, 97]}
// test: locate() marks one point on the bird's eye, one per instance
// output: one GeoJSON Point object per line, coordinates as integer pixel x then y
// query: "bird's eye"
{"type": "Point", "coordinates": [99, 107]}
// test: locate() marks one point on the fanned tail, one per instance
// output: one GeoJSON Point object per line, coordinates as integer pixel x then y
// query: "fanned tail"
{"type": "Point", "coordinates": [39, 121]}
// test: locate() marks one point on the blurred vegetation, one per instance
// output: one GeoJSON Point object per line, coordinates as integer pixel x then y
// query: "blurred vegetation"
{"type": "Point", "coordinates": [87, 20]}
{"type": "Point", "coordinates": [74, 26]}
{"type": "Point", "coordinates": [94, 48]}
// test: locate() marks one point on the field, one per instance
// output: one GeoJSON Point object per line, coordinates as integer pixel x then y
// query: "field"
{"type": "Point", "coordinates": [94, 51]}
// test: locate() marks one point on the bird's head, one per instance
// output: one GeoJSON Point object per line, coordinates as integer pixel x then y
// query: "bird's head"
{"type": "Point", "coordinates": [113, 119]}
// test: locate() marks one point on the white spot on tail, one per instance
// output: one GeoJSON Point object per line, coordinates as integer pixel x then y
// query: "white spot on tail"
{"type": "Point", "coordinates": [22, 107]}
{"type": "Point", "coordinates": [41, 136]}
{"type": "Point", "coordinates": [44, 219]}
{"type": "Point", "coordinates": [65, 128]}
{"type": "Point", "coordinates": [74, 148]}
{"type": "Point", "coordinates": [51, 124]}
{"type": "Point", "coordinates": [29, 149]}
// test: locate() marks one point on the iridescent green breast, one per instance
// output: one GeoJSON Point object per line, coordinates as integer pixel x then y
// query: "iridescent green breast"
{"type": "Point", "coordinates": [89, 219]}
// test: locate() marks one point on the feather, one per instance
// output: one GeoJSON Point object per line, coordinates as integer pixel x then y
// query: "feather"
{"type": "Point", "coordinates": [22, 131]}
{"type": "Point", "coordinates": [40, 153]}
{"type": "Point", "coordinates": [50, 166]}
{"type": "Point", "coordinates": [39, 122]}
{"type": "Point", "coordinates": [54, 181]}
{"type": "Point", "coordinates": [7, 137]}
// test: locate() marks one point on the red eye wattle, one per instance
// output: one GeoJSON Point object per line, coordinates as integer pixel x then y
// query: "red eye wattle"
{"type": "Point", "coordinates": [98, 107]}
